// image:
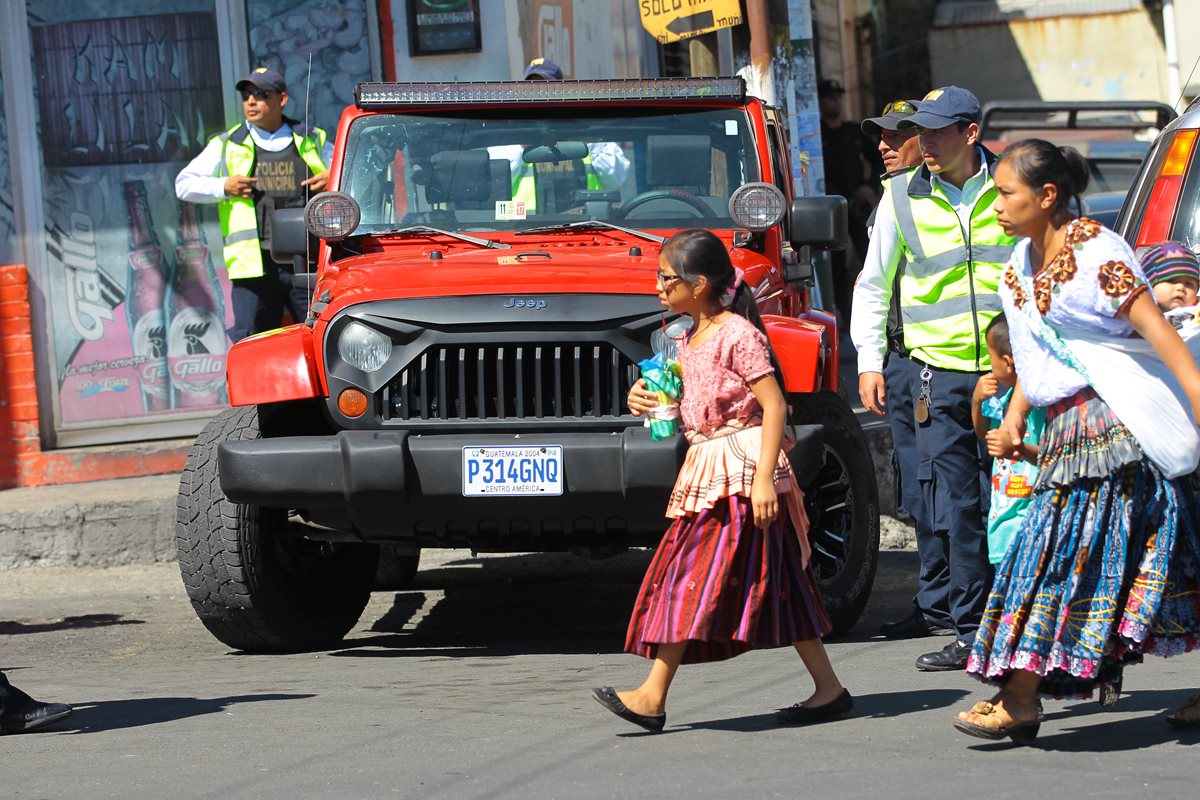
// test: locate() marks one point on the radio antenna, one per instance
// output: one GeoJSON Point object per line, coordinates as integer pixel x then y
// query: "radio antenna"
{"type": "Point", "coordinates": [308, 273]}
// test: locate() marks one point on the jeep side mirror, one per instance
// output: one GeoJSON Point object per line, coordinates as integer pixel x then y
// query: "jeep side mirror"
{"type": "Point", "coordinates": [290, 239]}
{"type": "Point", "coordinates": [819, 221]}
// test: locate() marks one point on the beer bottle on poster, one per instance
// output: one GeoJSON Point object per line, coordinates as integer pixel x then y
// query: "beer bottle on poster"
{"type": "Point", "coordinates": [144, 300]}
{"type": "Point", "coordinates": [196, 339]}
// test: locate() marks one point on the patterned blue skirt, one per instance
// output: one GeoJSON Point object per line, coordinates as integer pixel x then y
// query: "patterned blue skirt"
{"type": "Point", "coordinates": [1105, 565]}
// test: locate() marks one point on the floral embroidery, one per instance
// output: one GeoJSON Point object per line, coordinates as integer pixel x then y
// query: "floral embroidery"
{"type": "Point", "coordinates": [1043, 286]}
{"type": "Point", "coordinates": [1117, 279]}
{"type": "Point", "coordinates": [1014, 286]}
{"type": "Point", "coordinates": [1063, 267]}
{"type": "Point", "coordinates": [1082, 229]}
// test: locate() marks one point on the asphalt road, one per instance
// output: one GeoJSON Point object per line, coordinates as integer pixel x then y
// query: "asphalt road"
{"type": "Point", "coordinates": [475, 685]}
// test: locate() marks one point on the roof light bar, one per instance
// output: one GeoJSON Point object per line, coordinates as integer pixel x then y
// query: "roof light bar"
{"type": "Point", "coordinates": [390, 95]}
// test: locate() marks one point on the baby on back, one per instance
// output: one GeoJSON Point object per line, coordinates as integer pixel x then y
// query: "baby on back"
{"type": "Point", "coordinates": [1174, 274]}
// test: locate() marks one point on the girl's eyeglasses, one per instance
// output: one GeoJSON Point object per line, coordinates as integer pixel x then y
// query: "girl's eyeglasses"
{"type": "Point", "coordinates": [899, 107]}
{"type": "Point", "coordinates": [666, 280]}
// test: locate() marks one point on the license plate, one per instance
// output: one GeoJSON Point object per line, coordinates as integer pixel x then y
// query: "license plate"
{"type": "Point", "coordinates": [512, 471]}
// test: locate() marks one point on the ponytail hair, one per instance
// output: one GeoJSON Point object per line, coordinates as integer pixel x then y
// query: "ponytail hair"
{"type": "Point", "coordinates": [1038, 162]}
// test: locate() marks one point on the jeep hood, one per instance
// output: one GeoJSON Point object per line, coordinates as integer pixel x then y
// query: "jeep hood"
{"type": "Point", "coordinates": [518, 270]}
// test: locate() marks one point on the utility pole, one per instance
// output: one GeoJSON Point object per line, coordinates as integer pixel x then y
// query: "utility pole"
{"type": "Point", "coordinates": [1171, 41]}
{"type": "Point", "coordinates": [704, 56]}
{"type": "Point", "coordinates": [762, 83]}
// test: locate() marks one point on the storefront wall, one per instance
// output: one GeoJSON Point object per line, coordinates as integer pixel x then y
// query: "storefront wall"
{"type": "Point", "coordinates": [129, 295]}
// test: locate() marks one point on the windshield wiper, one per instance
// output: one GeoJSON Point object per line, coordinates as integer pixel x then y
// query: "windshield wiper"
{"type": "Point", "coordinates": [592, 224]}
{"type": "Point", "coordinates": [430, 229]}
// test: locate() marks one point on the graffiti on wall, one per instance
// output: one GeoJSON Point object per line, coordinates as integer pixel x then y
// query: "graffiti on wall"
{"type": "Point", "coordinates": [285, 34]}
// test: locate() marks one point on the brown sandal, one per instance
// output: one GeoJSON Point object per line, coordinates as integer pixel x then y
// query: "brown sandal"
{"type": "Point", "coordinates": [1020, 732]}
{"type": "Point", "coordinates": [1190, 706]}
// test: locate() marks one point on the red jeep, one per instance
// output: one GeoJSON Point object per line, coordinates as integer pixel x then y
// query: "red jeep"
{"type": "Point", "coordinates": [484, 290]}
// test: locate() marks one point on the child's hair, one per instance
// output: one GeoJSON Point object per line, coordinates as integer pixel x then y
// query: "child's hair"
{"type": "Point", "coordinates": [997, 333]}
{"type": "Point", "coordinates": [695, 253]}
{"type": "Point", "coordinates": [1038, 162]}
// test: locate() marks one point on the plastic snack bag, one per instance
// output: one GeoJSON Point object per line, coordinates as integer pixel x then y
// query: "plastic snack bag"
{"type": "Point", "coordinates": [664, 377]}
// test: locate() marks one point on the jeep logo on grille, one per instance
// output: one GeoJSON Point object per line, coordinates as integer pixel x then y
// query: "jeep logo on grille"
{"type": "Point", "coordinates": [514, 302]}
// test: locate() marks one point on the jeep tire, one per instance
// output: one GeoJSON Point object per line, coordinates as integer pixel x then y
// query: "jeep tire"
{"type": "Point", "coordinates": [254, 582]}
{"type": "Point", "coordinates": [843, 509]}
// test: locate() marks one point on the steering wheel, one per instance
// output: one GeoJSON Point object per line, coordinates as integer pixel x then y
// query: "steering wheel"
{"type": "Point", "coordinates": [678, 195]}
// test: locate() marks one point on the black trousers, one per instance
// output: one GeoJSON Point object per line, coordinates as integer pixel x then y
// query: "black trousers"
{"type": "Point", "coordinates": [945, 484]}
{"type": "Point", "coordinates": [258, 303]}
{"type": "Point", "coordinates": [11, 698]}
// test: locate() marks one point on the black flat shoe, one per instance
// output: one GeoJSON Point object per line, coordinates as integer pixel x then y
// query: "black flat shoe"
{"type": "Point", "coordinates": [607, 697]}
{"type": "Point", "coordinates": [807, 715]}
{"type": "Point", "coordinates": [34, 715]}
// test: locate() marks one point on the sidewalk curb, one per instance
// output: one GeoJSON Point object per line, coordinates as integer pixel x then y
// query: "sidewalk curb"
{"type": "Point", "coordinates": [101, 524]}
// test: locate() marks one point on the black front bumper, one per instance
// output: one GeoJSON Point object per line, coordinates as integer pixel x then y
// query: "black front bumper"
{"type": "Point", "coordinates": [396, 486]}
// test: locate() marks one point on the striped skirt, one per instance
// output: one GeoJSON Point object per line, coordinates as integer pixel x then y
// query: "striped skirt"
{"type": "Point", "coordinates": [718, 582]}
{"type": "Point", "coordinates": [1104, 567]}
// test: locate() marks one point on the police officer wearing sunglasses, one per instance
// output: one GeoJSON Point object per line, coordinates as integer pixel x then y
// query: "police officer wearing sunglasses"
{"type": "Point", "coordinates": [266, 162]}
{"type": "Point", "coordinates": [939, 219]}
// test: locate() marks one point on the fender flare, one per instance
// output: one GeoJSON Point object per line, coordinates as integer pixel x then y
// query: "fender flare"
{"type": "Point", "coordinates": [801, 348]}
{"type": "Point", "coordinates": [272, 367]}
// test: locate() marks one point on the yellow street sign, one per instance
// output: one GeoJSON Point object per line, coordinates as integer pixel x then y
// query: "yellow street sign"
{"type": "Point", "coordinates": [672, 20]}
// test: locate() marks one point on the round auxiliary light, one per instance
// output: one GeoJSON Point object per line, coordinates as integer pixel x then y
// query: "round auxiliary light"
{"type": "Point", "coordinates": [332, 215]}
{"type": "Point", "coordinates": [757, 206]}
{"type": "Point", "coordinates": [364, 348]}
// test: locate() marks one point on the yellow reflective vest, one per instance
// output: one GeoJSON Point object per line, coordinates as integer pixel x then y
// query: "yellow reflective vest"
{"type": "Point", "coordinates": [239, 223]}
{"type": "Point", "coordinates": [949, 290]}
{"type": "Point", "coordinates": [525, 182]}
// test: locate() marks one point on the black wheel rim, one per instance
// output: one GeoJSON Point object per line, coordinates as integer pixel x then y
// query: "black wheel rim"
{"type": "Point", "coordinates": [829, 502]}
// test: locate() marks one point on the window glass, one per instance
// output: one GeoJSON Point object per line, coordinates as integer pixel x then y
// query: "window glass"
{"type": "Point", "coordinates": [516, 168]}
{"type": "Point", "coordinates": [8, 253]}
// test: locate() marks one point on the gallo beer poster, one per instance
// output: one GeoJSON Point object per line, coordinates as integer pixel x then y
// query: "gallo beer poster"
{"type": "Point", "coordinates": [140, 303]}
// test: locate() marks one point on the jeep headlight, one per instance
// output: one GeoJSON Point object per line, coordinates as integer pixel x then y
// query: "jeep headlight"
{"type": "Point", "coordinates": [363, 348]}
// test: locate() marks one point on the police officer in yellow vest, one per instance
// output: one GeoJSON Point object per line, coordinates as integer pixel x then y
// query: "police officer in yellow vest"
{"type": "Point", "coordinates": [268, 161]}
{"type": "Point", "coordinates": [604, 167]}
{"type": "Point", "coordinates": [939, 217]}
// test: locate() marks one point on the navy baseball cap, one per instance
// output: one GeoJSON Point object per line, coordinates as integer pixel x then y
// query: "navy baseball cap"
{"type": "Point", "coordinates": [830, 86]}
{"type": "Point", "coordinates": [891, 116]}
{"type": "Point", "coordinates": [943, 107]}
{"type": "Point", "coordinates": [262, 78]}
{"type": "Point", "coordinates": [545, 69]}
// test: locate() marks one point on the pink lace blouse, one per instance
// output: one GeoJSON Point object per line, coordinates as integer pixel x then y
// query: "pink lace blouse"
{"type": "Point", "coordinates": [717, 375]}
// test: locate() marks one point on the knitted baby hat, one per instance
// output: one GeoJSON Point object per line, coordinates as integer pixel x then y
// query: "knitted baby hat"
{"type": "Point", "coordinates": [1170, 260]}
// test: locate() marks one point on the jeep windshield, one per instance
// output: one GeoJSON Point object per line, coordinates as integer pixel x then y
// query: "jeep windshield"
{"type": "Point", "coordinates": [513, 169]}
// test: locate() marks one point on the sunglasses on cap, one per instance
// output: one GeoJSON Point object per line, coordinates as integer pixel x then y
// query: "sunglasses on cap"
{"type": "Point", "coordinates": [257, 94]}
{"type": "Point", "coordinates": [899, 107]}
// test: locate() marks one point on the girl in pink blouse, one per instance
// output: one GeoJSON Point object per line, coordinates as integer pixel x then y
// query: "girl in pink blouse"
{"type": "Point", "coordinates": [732, 572]}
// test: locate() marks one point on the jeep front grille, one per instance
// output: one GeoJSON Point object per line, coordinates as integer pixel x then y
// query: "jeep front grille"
{"type": "Point", "coordinates": [526, 381]}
